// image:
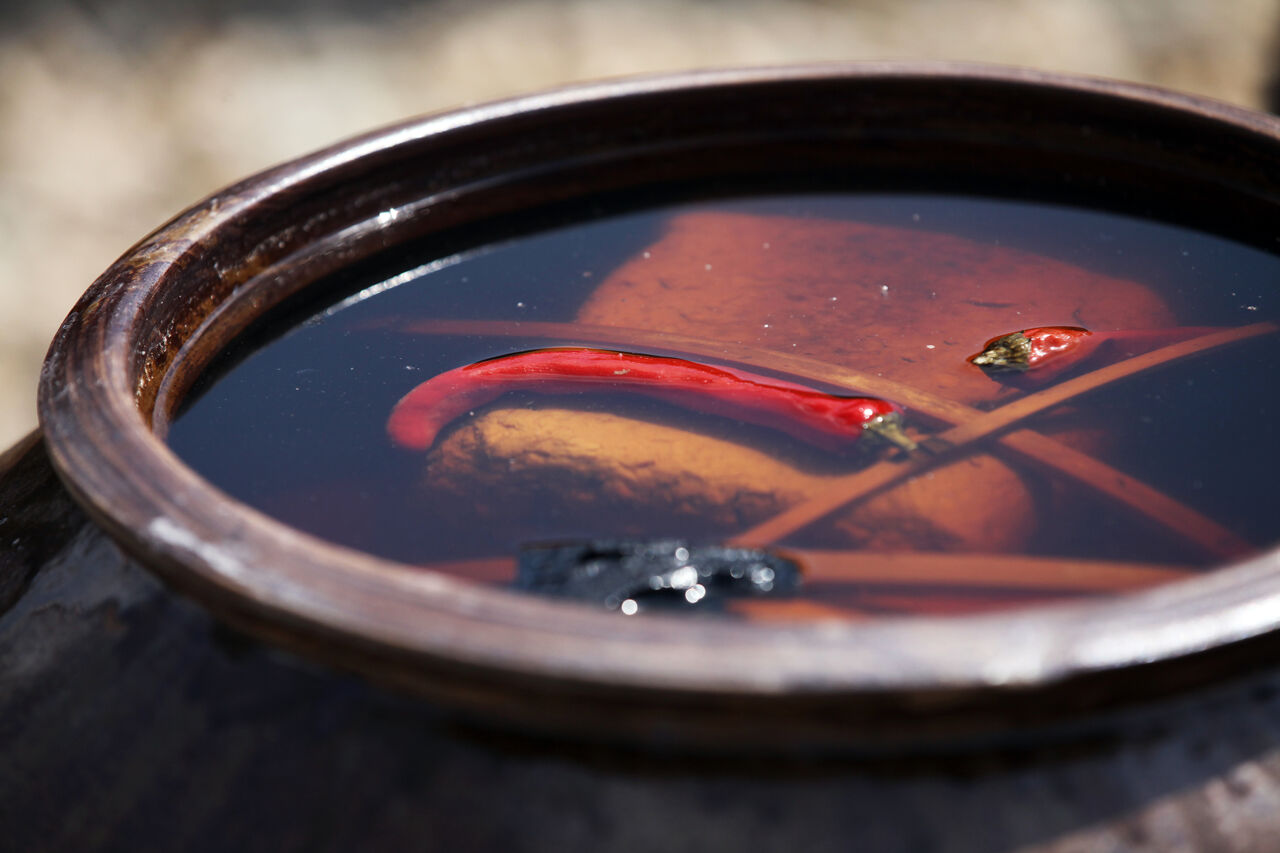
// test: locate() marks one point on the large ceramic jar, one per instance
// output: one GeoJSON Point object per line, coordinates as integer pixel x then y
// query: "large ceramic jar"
{"type": "Point", "coordinates": [1019, 634]}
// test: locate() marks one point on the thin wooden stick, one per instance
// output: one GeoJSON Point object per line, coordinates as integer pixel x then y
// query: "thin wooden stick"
{"type": "Point", "coordinates": [1177, 517]}
{"type": "Point", "coordinates": [1012, 572]}
{"type": "Point", "coordinates": [886, 604]}
{"type": "Point", "coordinates": [493, 570]}
{"type": "Point", "coordinates": [835, 492]}
{"type": "Point", "coordinates": [792, 610]}
{"type": "Point", "coordinates": [990, 570]}
{"type": "Point", "coordinates": [972, 423]}
{"type": "Point", "coordinates": [1191, 525]}
{"type": "Point", "coordinates": [1031, 404]}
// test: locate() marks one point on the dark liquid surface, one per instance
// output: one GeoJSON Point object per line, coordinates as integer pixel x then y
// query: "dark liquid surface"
{"type": "Point", "coordinates": [297, 428]}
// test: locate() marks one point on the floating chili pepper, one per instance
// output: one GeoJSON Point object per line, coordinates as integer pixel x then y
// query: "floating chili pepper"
{"type": "Point", "coordinates": [1047, 351]}
{"type": "Point", "coordinates": [1040, 349]}
{"type": "Point", "coordinates": [806, 413]}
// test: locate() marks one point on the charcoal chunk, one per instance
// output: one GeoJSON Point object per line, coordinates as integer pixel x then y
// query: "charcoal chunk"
{"type": "Point", "coordinates": [653, 575]}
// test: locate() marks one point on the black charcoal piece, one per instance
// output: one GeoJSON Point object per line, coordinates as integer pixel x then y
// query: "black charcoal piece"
{"type": "Point", "coordinates": [663, 574]}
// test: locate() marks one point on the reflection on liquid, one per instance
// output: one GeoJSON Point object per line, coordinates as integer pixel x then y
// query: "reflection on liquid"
{"type": "Point", "coordinates": [1110, 476]}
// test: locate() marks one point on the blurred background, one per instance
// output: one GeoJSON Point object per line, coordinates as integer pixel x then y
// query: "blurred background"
{"type": "Point", "coordinates": [117, 114]}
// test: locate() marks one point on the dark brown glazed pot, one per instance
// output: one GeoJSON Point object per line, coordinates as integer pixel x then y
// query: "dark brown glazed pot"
{"type": "Point", "coordinates": [1001, 692]}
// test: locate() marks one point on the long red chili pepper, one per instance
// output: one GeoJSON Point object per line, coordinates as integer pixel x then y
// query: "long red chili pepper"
{"type": "Point", "coordinates": [1047, 351]}
{"type": "Point", "coordinates": [806, 413]}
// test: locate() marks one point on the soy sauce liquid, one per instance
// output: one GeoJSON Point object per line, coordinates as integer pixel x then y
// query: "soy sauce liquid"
{"type": "Point", "coordinates": [296, 428]}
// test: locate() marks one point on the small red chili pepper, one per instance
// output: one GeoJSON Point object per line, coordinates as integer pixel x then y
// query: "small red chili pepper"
{"type": "Point", "coordinates": [1041, 349]}
{"type": "Point", "coordinates": [1047, 351]}
{"type": "Point", "coordinates": [806, 413]}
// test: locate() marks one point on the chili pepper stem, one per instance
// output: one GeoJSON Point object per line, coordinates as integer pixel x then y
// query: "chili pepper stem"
{"type": "Point", "coordinates": [889, 428]}
{"type": "Point", "coordinates": [1010, 351]}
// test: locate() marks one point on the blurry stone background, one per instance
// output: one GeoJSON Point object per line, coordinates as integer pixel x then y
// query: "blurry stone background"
{"type": "Point", "coordinates": [116, 115]}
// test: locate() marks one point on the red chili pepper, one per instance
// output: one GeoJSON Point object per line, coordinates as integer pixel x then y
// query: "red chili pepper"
{"type": "Point", "coordinates": [806, 413]}
{"type": "Point", "coordinates": [1047, 351]}
{"type": "Point", "coordinates": [1040, 349]}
